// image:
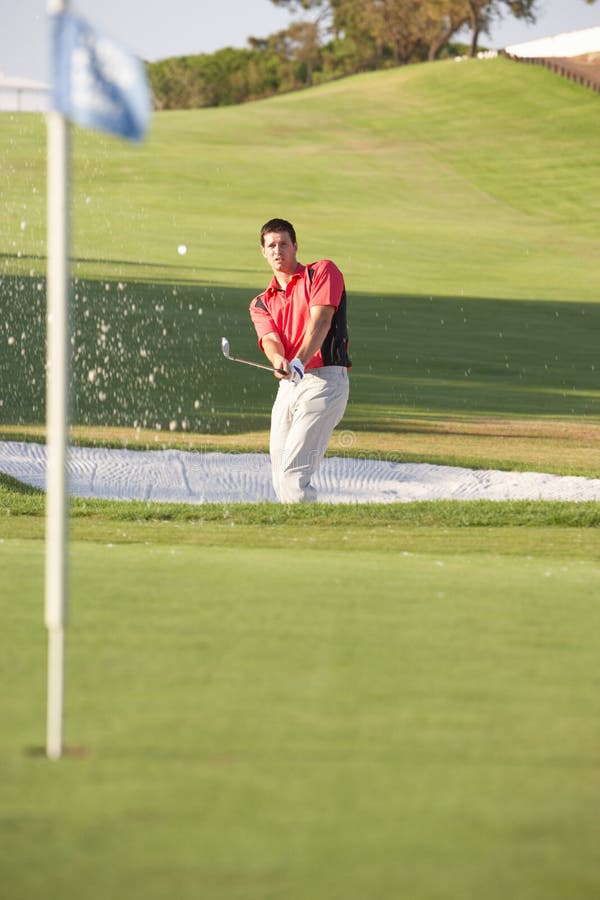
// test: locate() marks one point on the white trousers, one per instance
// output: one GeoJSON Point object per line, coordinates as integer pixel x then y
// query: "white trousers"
{"type": "Point", "coordinates": [303, 418]}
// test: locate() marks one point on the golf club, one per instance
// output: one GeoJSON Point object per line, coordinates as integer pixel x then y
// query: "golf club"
{"type": "Point", "coordinates": [247, 362]}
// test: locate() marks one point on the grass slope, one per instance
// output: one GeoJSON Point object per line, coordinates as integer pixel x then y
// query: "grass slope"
{"type": "Point", "coordinates": [446, 192]}
{"type": "Point", "coordinates": [478, 179]}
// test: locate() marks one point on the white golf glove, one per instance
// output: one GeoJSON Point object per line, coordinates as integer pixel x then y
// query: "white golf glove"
{"type": "Point", "coordinates": [296, 370]}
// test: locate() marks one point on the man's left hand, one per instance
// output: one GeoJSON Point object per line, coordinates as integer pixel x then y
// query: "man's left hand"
{"type": "Point", "coordinates": [296, 370]}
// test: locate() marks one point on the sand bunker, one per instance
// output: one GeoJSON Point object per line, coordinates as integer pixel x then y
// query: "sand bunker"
{"type": "Point", "coordinates": [195, 477]}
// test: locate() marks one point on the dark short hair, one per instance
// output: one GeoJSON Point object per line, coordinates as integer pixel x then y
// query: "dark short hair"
{"type": "Point", "coordinates": [277, 225]}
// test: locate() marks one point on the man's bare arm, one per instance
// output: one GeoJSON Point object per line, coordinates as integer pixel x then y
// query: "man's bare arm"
{"type": "Point", "coordinates": [316, 331]}
{"type": "Point", "coordinates": [273, 350]}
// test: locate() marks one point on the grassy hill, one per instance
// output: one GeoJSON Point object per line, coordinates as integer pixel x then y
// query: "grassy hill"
{"type": "Point", "coordinates": [445, 192]}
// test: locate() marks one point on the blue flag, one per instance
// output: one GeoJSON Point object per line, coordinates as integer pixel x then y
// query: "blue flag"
{"type": "Point", "coordinates": [97, 83]}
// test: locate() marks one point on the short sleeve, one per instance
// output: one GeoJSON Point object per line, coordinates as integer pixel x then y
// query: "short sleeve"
{"type": "Point", "coordinates": [261, 319]}
{"type": "Point", "coordinates": [327, 285]}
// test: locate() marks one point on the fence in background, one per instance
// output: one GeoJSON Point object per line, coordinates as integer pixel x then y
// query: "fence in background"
{"type": "Point", "coordinates": [21, 95]}
{"type": "Point", "coordinates": [585, 73]}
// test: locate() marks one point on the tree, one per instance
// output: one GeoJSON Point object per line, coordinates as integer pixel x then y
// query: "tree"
{"type": "Point", "coordinates": [388, 29]}
{"type": "Point", "coordinates": [482, 13]}
{"type": "Point", "coordinates": [297, 5]}
{"type": "Point", "coordinates": [439, 21]}
{"type": "Point", "coordinates": [396, 23]}
{"type": "Point", "coordinates": [322, 8]}
{"type": "Point", "coordinates": [305, 48]}
{"type": "Point", "coordinates": [298, 46]}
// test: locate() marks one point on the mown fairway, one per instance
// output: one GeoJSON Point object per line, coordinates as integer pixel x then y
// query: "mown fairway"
{"type": "Point", "coordinates": [313, 704]}
{"type": "Point", "coordinates": [252, 721]}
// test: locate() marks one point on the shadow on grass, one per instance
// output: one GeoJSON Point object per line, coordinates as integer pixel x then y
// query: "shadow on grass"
{"type": "Point", "coordinates": [148, 355]}
{"type": "Point", "coordinates": [18, 487]}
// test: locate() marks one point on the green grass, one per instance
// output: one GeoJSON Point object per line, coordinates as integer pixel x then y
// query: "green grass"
{"type": "Point", "coordinates": [147, 357]}
{"type": "Point", "coordinates": [477, 180]}
{"type": "Point", "coordinates": [371, 723]}
{"type": "Point", "coordinates": [20, 501]}
{"type": "Point", "coordinates": [326, 702]}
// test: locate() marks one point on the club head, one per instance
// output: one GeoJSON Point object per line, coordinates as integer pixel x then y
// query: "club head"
{"type": "Point", "coordinates": [225, 347]}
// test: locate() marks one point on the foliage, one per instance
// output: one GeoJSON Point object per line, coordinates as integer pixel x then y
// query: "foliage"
{"type": "Point", "coordinates": [336, 38]}
{"type": "Point", "coordinates": [226, 77]}
{"type": "Point", "coordinates": [400, 31]}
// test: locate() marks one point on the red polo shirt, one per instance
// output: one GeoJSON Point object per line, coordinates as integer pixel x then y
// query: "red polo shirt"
{"type": "Point", "coordinates": [286, 311]}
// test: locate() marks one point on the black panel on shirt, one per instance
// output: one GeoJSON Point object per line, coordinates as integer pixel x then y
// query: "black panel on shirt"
{"type": "Point", "coordinates": [334, 348]}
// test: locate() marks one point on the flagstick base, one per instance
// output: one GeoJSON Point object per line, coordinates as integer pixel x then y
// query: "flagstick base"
{"type": "Point", "coordinates": [56, 660]}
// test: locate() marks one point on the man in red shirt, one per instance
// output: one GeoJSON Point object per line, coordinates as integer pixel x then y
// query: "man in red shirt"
{"type": "Point", "coordinates": [300, 321]}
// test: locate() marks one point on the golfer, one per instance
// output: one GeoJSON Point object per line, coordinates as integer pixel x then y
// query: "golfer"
{"type": "Point", "coordinates": [300, 321]}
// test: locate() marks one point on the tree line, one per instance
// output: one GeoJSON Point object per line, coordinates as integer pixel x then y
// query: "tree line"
{"type": "Point", "coordinates": [331, 39]}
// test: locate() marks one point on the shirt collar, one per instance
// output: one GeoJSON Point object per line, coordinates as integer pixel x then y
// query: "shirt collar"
{"type": "Point", "coordinates": [275, 286]}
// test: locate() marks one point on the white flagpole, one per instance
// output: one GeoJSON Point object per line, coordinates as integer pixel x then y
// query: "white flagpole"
{"type": "Point", "coordinates": [57, 414]}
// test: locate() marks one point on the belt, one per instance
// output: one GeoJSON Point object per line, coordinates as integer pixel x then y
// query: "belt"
{"type": "Point", "coordinates": [320, 371]}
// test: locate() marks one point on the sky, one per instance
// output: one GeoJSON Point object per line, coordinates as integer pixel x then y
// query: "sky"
{"type": "Point", "coordinates": [155, 30]}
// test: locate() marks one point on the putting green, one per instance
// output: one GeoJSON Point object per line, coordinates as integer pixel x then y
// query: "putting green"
{"type": "Point", "coordinates": [304, 722]}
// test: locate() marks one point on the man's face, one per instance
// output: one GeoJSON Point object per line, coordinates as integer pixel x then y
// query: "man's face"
{"type": "Point", "coordinates": [280, 252]}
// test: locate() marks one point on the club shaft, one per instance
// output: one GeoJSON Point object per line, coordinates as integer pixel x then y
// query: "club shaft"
{"type": "Point", "coordinates": [256, 365]}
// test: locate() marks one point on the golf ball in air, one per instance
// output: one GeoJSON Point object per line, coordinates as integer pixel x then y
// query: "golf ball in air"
{"type": "Point", "coordinates": [182, 249]}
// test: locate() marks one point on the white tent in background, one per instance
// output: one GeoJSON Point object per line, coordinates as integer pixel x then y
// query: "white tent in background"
{"type": "Point", "coordinates": [568, 44]}
{"type": "Point", "coordinates": [23, 95]}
